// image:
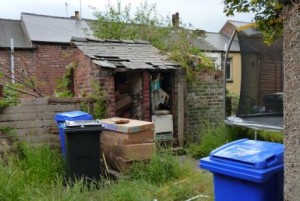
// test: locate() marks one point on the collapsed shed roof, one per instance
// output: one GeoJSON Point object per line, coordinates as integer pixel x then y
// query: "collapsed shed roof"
{"type": "Point", "coordinates": [128, 54]}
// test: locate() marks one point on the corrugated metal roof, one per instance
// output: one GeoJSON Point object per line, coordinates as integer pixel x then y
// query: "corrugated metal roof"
{"type": "Point", "coordinates": [138, 55]}
{"type": "Point", "coordinates": [54, 29]}
{"type": "Point", "coordinates": [215, 42]}
{"type": "Point", "coordinates": [13, 29]}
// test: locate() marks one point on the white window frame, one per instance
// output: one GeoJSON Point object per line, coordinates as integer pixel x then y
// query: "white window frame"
{"type": "Point", "coordinates": [229, 61]}
{"type": "Point", "coordinates": [216, 58]}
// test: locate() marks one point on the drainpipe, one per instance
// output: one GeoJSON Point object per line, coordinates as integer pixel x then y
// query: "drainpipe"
{"type": "Point", "coordinates": [12, 61]}
{"type": "Point", "coordinates": [80, 10]}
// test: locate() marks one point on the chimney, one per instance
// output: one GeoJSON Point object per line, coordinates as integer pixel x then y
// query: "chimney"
{"type": "Point", "coordinates": [77, 15]}
{"type": "Point", "coordinates": [175, 20]}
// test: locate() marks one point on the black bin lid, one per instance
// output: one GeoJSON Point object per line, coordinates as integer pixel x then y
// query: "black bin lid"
{"type": "Point", "coordinates": [82, 125]}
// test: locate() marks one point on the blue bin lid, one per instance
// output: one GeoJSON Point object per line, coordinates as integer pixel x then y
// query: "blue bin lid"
{"type": "Point", "coordinates": [73, 115]}
{"type": "Point", "coordinates": [250, 153]}
{"type": "Point", "coordinates": [245, 159]}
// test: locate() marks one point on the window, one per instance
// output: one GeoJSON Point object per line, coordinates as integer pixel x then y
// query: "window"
{"type": "Point", "coordinates": [229, 69]}
{"type": "Point", "coordinates": [214, 60]}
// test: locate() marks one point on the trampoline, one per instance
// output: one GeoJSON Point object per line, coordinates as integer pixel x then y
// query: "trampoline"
{"type": "Point", "coordinates": [260, 104]}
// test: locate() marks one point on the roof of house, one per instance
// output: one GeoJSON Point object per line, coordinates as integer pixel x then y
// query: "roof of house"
{"type": "Point", "coordinates": [215, 42]}
{"type": "Point", "coordinates": [130, 54]}
{"type": "Point", "coordinates": [42, 28]}
{"type": "Point", "coordinates": [238, 23]}
{"type": "Point", "coordinates": [13, 29]}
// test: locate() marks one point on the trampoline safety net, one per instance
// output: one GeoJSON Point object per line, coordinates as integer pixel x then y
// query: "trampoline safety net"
{"type": "Point", "coordinates": [261, 98]}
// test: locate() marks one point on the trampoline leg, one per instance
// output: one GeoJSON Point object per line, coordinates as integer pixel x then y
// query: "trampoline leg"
{"type": "Point", "coordinates": [255, 134]}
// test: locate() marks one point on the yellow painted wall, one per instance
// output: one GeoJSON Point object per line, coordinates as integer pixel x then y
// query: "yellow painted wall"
{"type": "Point", "coordinates": [235, 85]}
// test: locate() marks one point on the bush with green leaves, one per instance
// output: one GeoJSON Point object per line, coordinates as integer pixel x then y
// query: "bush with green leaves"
{"type": "Point", "coordinates": [10, 97]}
{"type": "Point", "coordinates": [214, 135]}
{"type": "Point", "coordinates": [119, 22]}
{"type": "Point", "coordinates": [64, 84]}
{"type": "Point", "coordinates": [100, 101]}
{"type": "Point", "coordinates": [160, 169]}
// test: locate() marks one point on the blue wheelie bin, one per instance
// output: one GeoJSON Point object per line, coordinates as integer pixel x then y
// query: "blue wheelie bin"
{"type": "Point", "coordinates": [61, 118]}
{"type": "Point", "coordinates": [247, 170]}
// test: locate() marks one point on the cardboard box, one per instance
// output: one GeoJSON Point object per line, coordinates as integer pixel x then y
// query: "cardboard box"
{"type": "Point", "coordinates": [131, 151]}
{"type": "Point", "coordinates": [132, 126]}
{"type": "Point", "coordinates": [120, 157]}
{"type": "Point", "coordinates": [113, 137]}
{"type": "Point", "coordinates": [117, 163]}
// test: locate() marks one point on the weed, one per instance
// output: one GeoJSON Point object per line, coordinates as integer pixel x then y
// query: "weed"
{"type": "Point", "coordinates": [41, 164]}
{"type": "Point", "coordinates": [134, 190]}
{"type": "Point", "coordinates": [99, 105]}
{"type": "Point", "coordinates": [160, 169]}
{"type": "Point", "coordinates": [35, 173]}
{"type": "Point", "coordinates": [215, 135]}
{"type": "Point", "coordinates": [212, 136]}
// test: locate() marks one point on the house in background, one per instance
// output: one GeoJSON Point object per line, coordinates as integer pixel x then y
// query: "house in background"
{"type": "Point", "coordinates": [214, 46]}
{"type": "Point", "coordinates": [139, 82]}
{"type": "Point", "coordinates": [42, 47]}
{"type": "Point", "coordinates": [47, 41]}
{"type": "Point", "coordinates": [234, 66]}
{"type": "Point", "coordinates": [14, 42]}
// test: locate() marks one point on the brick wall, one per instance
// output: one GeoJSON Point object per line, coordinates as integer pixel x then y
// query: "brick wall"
{"type": "Point", "coordinates": [146, 96]}
{"type": "Point", "coordinates": [46, 64]}
{"type": "Point", "coordinates": [228, 29]}
{"type": "Point", "coordinates": [24, 62]}
{"type": "Point", "coordinates": [87, 73]}
{"type": "Point", "coordinates": [204, 101]}
{"type": "Point", "coordinates": [51, 61]}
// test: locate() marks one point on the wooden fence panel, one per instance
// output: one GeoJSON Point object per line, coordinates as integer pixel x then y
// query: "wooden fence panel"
{"type": "Point", "coordinates": [33, 121]}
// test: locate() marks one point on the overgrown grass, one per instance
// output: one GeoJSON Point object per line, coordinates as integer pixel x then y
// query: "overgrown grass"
{"type": "Point", "coordinates": [161, 168]}
{"type": "Point", "coordinates": [215, 135]}
{"type": "Point", "coordinates": [38, 174]}
{"type": "Point", "coordinates": [163, 178]}
{"type": "Point", "coordinates": [30, 169]}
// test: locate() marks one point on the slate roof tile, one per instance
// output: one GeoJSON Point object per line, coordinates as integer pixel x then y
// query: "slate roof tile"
{"type": "Point", "coordinates": [131, 55]}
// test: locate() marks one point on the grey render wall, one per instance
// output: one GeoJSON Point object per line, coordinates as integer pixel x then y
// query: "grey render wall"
{"type": "Point", "coordinates": [292, 103]}
{"type": "Point", "coordinates": [203, 101]}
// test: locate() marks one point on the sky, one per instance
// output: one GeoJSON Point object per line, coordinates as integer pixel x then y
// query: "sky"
{"type": "Point", "coordinates": [201, 14]}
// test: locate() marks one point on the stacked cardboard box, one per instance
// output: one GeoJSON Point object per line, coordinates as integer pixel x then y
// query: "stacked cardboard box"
{"type": "Point", "coordinates": [125, 143]}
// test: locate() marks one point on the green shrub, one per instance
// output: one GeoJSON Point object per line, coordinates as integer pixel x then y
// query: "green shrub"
{"type": "Point", "coordinates": [10, 97]}
{"type": "Point", "coordinates": [100, 102]}
{"type": "Point", "coordinates": [212, 136]}
{"type": "Point", "coordinates": [161, 168]}
{"type": "Point", "coordinates": [215, 135]}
